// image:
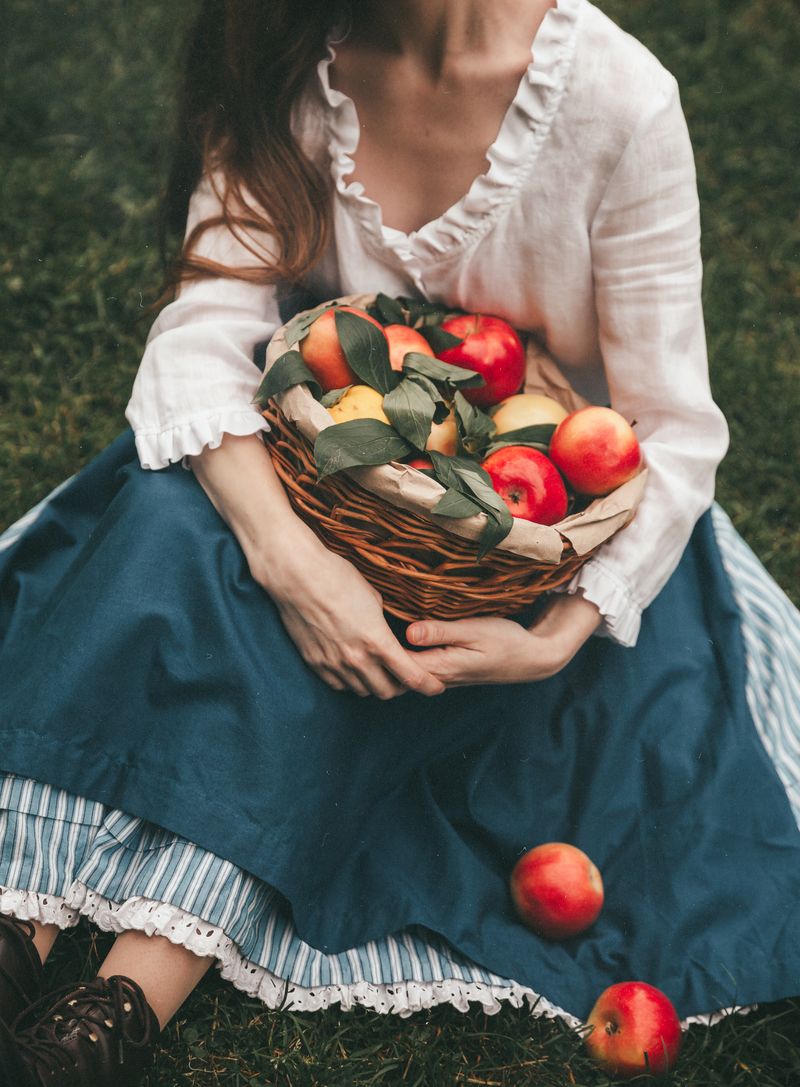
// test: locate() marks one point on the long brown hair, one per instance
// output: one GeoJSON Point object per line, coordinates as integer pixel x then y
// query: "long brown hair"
{"type": "Point", "coordinates": [247, 62]}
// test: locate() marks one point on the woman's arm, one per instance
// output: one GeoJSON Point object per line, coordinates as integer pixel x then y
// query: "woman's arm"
{"type": "Point", "coordinates": [500, 651]}
{"type": "Point", "coordinates": [332, 614]}
{"type": "Point", "coordinates": [193, 400]}
{"type": "Point", "coordinates": [647, 271]}
{"type": "Point", "coordinates": [197, 378]}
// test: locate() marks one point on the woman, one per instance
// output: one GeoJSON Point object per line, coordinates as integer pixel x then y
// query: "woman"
{"type": "Point", "coordinates": [149, 682]}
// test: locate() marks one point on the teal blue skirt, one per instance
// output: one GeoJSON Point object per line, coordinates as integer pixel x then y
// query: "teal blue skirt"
{"type": "Point", "coordinates": [143, 672]}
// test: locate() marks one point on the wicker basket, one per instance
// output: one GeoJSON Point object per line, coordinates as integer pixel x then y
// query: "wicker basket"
{"type": "Point", "coordinates": [420, 569]}
{"type": "Point", "coordinates": [426, 566]}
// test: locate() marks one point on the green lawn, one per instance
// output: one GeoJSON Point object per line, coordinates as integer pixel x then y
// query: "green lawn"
{"type": "Point", "coordinates": [85, 112]}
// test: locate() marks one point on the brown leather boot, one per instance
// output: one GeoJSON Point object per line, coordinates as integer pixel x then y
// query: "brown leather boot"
{"type": "Point", "coordinates": [100, 1034]}
{"type": "Point", "coordinates": [21, 970]}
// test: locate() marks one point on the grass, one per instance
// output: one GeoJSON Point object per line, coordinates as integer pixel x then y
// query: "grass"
{"type": "Point", "coordinates": [84, 111]}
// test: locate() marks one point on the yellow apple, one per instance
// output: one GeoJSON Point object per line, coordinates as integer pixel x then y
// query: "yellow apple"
{"type": "Point", "coordinates": [527, 409]}
{"type": "Point", "coordinates": [359, 402]}
{"type": "Point", "coordinates": [443, 437]}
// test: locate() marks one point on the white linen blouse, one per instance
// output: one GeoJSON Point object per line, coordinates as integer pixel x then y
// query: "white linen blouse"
{"type": "Point", "coordinates": [583, 229]}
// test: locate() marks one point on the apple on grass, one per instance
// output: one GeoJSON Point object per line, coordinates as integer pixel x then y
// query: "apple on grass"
{"type": "Point", "coordinates": [635, 1030]}
{"type": "Point", "coordinates": [557, 890]}
{"type": "Point", "coordinates": [491, 347]}
{"type": "Point", "coordinates": [528, 483]}
{"type": "Point", "coordinates": [596, 449]}
{"type": "Point", "coordinates": [323, 354]}
{"type": "Point", "coordinates": [403, 339]}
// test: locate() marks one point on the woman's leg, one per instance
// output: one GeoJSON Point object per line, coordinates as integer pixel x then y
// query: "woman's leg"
{"type": "Point", "coordinates": [166, 972]}
{"type": "Point", "coordinates": [44, 936]}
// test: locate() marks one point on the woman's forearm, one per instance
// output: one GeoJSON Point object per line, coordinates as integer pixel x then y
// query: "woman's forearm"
{"type": "Point", "coordinates": [334, 617]}
{"type": "Point", "coordinates": [240, 481]}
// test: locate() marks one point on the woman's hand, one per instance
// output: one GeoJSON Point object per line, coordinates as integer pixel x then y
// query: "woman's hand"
{"type": "Point", "coordinates": [474, 651]}
{"type": "Point", "coordinates": [336, 620]}
{"type": "Point", "coordinates": [332, 614]}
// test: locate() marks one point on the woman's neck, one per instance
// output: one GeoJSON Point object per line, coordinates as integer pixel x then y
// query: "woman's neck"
{"type": "Point", "coordinates": [435, 31]}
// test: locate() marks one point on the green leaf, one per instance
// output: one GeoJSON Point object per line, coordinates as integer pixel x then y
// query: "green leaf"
{"type": "Point", "coordinates": [466, 477]}
{"type": "Point", "coordinates": [454, 503]}
{"type": "Point", "coordinates": [411, 409]}
{"type": "Point", "coordinates": [298, 327]}
{"type": "Point", "coordinates": [439, 338]}
{"type": "Point", "coordinates": [494, 533]}
{"type": "Point", "coordinates": [433, 391]}
{"type": "Point", "coordinates": [366, 350]}
{"type": "Point", "coordinates": [528, 435]}
{"type": "Point", "coordinates": [333, 397]}
{"type": "Point", "coordinates": [287, 370]}
{"type": "Point", "coordinates": [479, 484]}
{"type": "Point", "coordinates": [455, 376]}
{"type": "Point", "coordinates": [358, 442]}
{"type": "Point", "coordinates": [475, 427]}
{"type": "Point", "coordinates": [421, 311]}
{"type": "Point", "coordinates": [390, 310]}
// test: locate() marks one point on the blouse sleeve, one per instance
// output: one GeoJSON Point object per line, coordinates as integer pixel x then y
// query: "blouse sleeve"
{"type": "Point", "coordinates": [197, 377]}
{"type": "Point", "coordinates": [645, 241]}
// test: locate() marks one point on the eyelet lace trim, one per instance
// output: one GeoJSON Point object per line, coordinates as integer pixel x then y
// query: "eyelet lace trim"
{"type": "Point", "coordinates": [402, 998]}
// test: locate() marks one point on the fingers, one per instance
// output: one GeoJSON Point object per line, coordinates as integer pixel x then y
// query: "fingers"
{"type": "Point", "coordinates": [368, 666]}
{"type": "Point", "coordinates": [409, 672]}
{"type": "Point", "coordinates": [449, 666]}
{"type": "Point", "coordinates": [353, 682]}
{"type": "Point", "coordinates": [383, 669]}
{"type": "Point", "coordinates": [331, 678]}
{"type": "Point", "coordinates": [436, 632]}
{"type": "Point", "coordinates": [377, 683]}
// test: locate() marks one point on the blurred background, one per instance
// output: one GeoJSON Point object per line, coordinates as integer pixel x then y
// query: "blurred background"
{"type": "Point", "coordinates": [86, 112]}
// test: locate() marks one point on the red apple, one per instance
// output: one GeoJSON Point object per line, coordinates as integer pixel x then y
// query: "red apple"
{"type": "Point", "coordinates": [528, 483]}
{"type": "Point", "coordinates": [403, 339]}
{"type": "Point", "coordinates": [323, 354]}
{"type": "Point", "coordinates": [635, 1030]}
{"type": "Point", "coordinates": [557, 891]}
{"type": "Point", "coordinates": [596, 449]}
{"type": "Point", "coordinates": [492, 348]}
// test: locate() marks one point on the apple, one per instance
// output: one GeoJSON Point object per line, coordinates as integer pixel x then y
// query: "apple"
{"type": "Point", "coordinates": [420, 463]}
{"type": "Point", "coordinates": [359, 402]}
{"type": "Point", "coordinates": [492, 348]}
{"type": "Point", "coordinates": [528, 483]}
{"type": "Point", "coordinates": [527, 409]}
{"type": "Point", "coordinates": [557, 891]}
{"type": "Point", "coordinates": [635, 1030]}
{"type": "Point", "coordinates": [403, 339]}
{"type": "Point", "coordinates": [322, 352]}
{"type": "Point", "coordinates": [444, 436]}
{"type": "Point", "coordinates": [596, 449]}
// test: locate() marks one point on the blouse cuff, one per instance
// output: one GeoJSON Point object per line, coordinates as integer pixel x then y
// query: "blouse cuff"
{"type": "Point", "coordinates": [157, 449]}
{"type": "Point", "coordinates": [622, 614]}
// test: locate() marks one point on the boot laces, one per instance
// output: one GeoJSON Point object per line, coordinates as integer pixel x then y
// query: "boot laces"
{"type": "Point", "coordinates": [84, 1012]}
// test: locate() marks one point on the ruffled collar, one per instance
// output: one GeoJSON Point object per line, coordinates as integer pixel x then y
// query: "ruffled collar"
{"type": "Point", "coordinates": [521, 134]}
